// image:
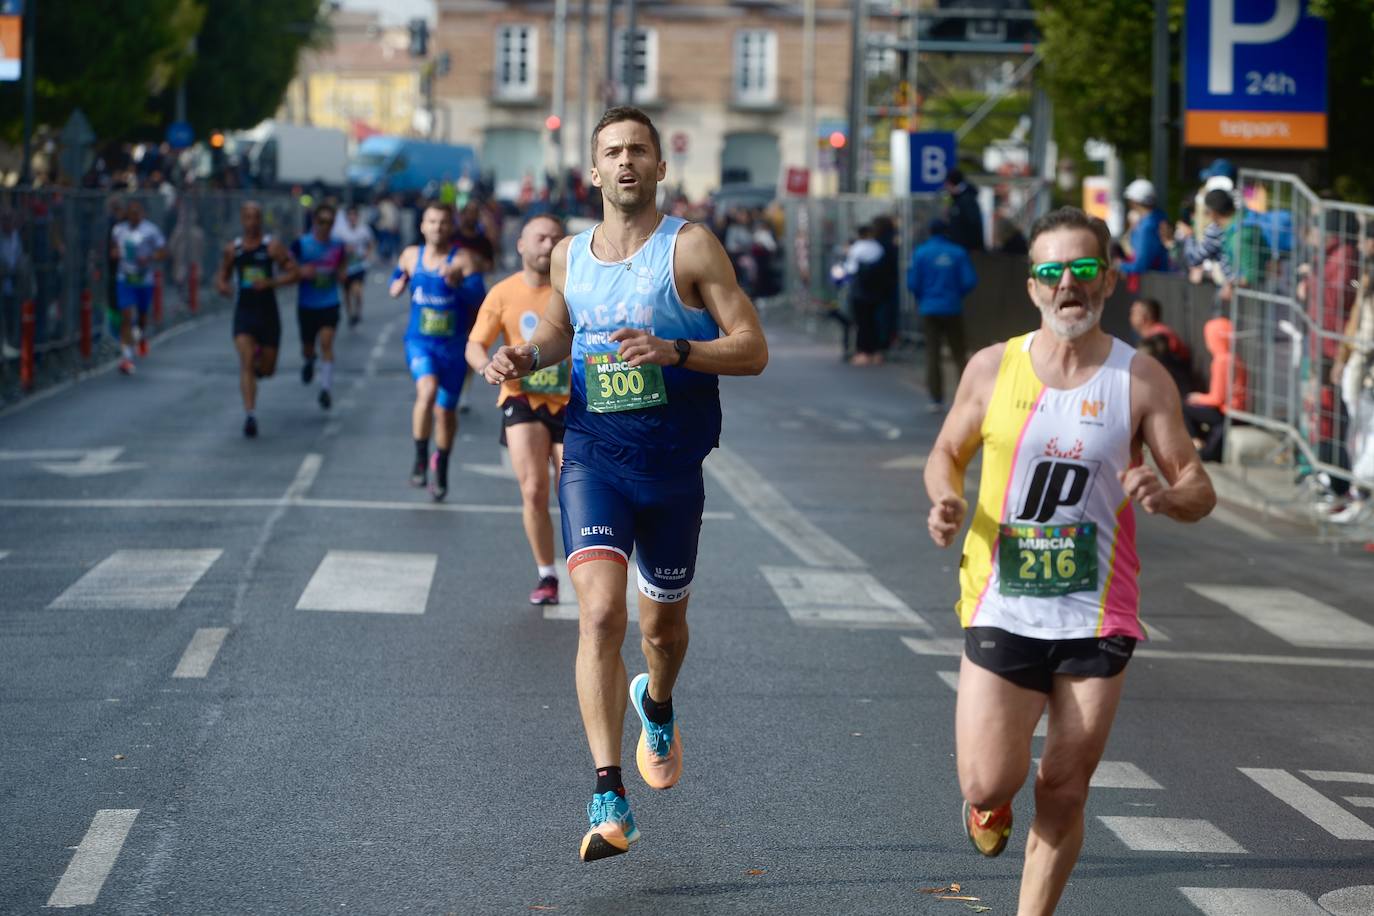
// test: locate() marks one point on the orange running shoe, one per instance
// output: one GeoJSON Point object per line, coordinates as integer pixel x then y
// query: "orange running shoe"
{"type": "Point", "coordinates": [613, 827]}
{"type": "Point", "coordinates": [659, 754]}
{"type": "Point", "coordinates": [988, 831]}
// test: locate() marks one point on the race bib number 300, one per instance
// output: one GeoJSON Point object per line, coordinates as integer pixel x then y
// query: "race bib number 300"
{"type": "Point", "coordinates": [436, 323]}
{"type": "Point", "coordinates": [1044, 561]}
{"type": "Point", "coordinates": [614, 386]}
{"type": "Point", "coordinates": [549, 380]}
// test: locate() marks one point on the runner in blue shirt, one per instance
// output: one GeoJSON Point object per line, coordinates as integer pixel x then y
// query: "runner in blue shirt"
{"type": "Point", "coordinates": [137, 243]}
{"type": "Point", "coordinates": [322, 268]}
{"type": "Point", "coordinates": [443, 302]}
{"type": "Point", "coordinates": [648, 307]}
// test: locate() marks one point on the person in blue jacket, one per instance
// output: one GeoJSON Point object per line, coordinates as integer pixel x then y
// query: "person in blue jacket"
{"type": "Point", "coordinates": [940, 275]}
{"type": "Point", "coordinates": [1147, 247]}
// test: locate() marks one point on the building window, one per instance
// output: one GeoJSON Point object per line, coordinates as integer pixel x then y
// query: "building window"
{"type": "Point", "coordinates": [756, 67]}
{"type": "Point", "coordinates": [517, 61]}
{"type": "Point", "coordinates": [643, 63]}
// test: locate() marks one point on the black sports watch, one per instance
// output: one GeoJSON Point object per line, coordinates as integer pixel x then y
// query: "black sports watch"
{"type": "Point", "coordinates": [683, 346]}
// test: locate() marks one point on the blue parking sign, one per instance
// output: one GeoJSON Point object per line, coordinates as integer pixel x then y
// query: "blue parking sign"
{"type": "Point", "coordinates": [933, 154]}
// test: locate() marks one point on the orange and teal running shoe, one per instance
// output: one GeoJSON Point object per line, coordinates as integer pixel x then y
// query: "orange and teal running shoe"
{"type": "Point", "coordinates": [613, 827]}
{"type": "Point", "coordinates": [659, 754]}
{"type": "Point", "coordinates": [988, 831]}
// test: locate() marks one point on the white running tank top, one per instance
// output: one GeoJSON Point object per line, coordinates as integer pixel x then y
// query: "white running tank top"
{"type": "Point", "coordinates": [1051, 551]}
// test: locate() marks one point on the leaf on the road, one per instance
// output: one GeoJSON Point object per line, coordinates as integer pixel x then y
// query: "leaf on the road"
{"type": "Point", "coordinates": [978, 907]}
{"type": "Point", "coordinates": [756, 871]}
{"type": "Point", "coordinates": [945, 889]}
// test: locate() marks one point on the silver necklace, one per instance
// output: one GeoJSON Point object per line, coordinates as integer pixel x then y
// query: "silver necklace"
{"type": "Point", "coordinates": [622, 258]}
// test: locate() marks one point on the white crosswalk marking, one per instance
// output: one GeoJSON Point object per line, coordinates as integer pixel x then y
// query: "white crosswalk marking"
{"type": "Point", "coordinates": [1171, 834]}
{"type": "Point", "coordinates": [1292, 616]}
{"type": "Point", "coordinates": [951, 679]}
{"type": "Point", "coordinates": [138, 579]}
{"type": "Point", "coordinates": [1310, 803]}
{"type": "Point", "coordinates": [90, 866]}
{"type": "Point", "coordinates": [1119, 774]}
{"type": "Point", "coordinates": [3, 554]}
{"type": "Point", "coordinates": [200, 654]}
{"type": "Point", "coordinates": [370, 583]}
{"type": "Point", "coordinates": [1251, 901]}
{"type": "Point", "coordinates": [832, 598]}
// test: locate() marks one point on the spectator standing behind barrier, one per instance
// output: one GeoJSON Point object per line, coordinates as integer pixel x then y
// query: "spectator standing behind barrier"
{"type": "Point", "coordinates": [14, 282]}
{"type": "Point", "coordinates": [887, 281]}
{"type": "Point", "coordinates": [863, 268]}
{"type": "Point", "coordinates": [1162, 342]}
{"type": "Point", "coordinates": [940, 275]}
{"type": "Point", "coordinates": [1147, 248]}
{"type": "Point", "coordinates": [1204, 412]}
{"type": "Point", "coordinates": [1353, 371]}
{"type": "Point", "coordinates": [964, 217]}
{"type": "Point", "coordinates": [1209, 254]}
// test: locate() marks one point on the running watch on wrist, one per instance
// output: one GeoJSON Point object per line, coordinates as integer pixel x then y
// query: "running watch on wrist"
{"type": "Point", "coordinates": [683, 347]}
{"type": "Point", "coordinates": [534, 357]}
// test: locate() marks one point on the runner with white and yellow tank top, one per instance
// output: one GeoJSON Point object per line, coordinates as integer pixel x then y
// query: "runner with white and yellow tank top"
{"type": "Point", "coordinates": [1048, 579]}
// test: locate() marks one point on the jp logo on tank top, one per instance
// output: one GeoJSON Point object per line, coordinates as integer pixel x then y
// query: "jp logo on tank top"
{"type": "Point", "coordinates": [1055, 483]}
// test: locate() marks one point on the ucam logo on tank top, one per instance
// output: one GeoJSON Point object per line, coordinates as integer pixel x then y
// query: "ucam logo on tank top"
{"type": "Point", "coordinates": [1051, 551]}
{"type": "Point", "coordinates": [647, 420]}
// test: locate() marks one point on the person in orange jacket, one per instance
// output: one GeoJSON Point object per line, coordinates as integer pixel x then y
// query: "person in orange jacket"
{"type": "Point", "coordinates": [1204, 412]}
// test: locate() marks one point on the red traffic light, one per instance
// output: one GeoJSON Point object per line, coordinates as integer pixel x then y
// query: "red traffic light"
{"type": "Point", "coordinates": [837, 139]}
{"type": "Point", "coordinates": [553, 122]}
{"type": "Point", "coordinates": [217, 139]}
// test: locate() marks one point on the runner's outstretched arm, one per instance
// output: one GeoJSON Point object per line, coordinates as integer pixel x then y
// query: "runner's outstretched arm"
{"type": "Point", "coordinates": [959, 439]}
{"type": "Point", "coordinates": [226, 264]}
{"type": "Point", "coordinates": [1187, 494]}
{"type": "Point", "coordinates": [706, 279]}
{"type": "Point", "coordinates": [405, 266]}
{"type": "Point", "coordinates": [552, 338]}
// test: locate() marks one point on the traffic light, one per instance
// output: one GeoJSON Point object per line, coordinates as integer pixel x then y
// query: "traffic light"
{"type": "Point", "coordinates": [217, 140]}
{"type": "Point", "coordinates": [554, 124]}
{"type": "Point", "coordinates": [419, 38]}
{"type": "Point", "coordinates": [837, 139]}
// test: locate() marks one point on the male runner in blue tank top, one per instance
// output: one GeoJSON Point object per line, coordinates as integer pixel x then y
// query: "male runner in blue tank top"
{"type": "Point", "coordinates": [648, 307]}
{"type": "Point", "coordinates": [443, 303]}
{"type": "Point", "coordinates": [322, 268]}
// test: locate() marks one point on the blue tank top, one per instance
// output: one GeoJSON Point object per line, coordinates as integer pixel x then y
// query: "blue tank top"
{"type": "Point", "coordinates": [439, 313]}
{"type": "Point", "coordinates": [640, 293]}
{"type": "Point", "coordinates": [323, 291]}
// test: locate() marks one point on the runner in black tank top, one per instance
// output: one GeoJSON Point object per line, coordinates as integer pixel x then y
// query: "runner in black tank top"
{"type": "Point", "coordinates": [257, 265]}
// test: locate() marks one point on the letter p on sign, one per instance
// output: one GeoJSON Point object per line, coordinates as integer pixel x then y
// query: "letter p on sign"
{"type": "Point", "coordinates": [1227, 33]}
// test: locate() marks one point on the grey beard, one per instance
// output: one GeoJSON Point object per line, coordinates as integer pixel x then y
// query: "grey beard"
{"type": "Point", "coordinates": [1066, 330]}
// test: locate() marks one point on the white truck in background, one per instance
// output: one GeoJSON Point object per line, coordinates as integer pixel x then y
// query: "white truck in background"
{"type": "Point", "coordinates": [281, 155]}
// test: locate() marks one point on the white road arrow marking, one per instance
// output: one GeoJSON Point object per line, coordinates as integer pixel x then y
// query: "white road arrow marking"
{"type": "Point", "coordinates": [73, 462]}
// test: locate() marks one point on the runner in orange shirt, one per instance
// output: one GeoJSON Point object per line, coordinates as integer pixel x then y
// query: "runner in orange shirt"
{"type": "Point", "coordinates": [532, 426]}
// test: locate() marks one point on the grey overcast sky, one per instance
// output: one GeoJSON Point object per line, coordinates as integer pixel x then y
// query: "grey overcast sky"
{"type": "Point", "coordinates": [395, 11]}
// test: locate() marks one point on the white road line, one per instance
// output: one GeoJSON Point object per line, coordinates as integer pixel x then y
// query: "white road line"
{"type": "Point", "coordinates": [3, 554]}
{"type": "Point", "coordinates": [951, 679]}
{"type": "Point", "coordinates": [268, 503]}
{"type": "Point", "coordinates": [950, 646]}
{"type": "Point", "coordinates": [1349, 901]}
{"type": "Point", "coordinates": [1292, 616]}
{"type": "Point", "coordinates": [1359, 801]}
{"type": "Point", "coordinates": [1154, 632]}
{"type": "Point", "coordinates": [1119, 774]}
{"type": "Point", "coordinates": [831, 598]}
{"type": "Point", "coordinates": [1364, 779]}
{"type": "Point", "coordinates": [200, 653]}
{"type": "Point", "coordinates": [774, 514]}
{"type": "Point", "coordinates": [1297, 661]}
{"type": "Point", "coordinates": [305, 477]}
{"type": "Point", "coordinates": [370, 582]}
{"type": "Point", "coordinates": [1171, 834]}
{"type": "Point", "coordinates": [1242, 524]}
{"type": "Point", "coordinates": [905, 463]}
{"type": "Point", "coordinates": [138, 579]}
{"type": "Point", "coordinates": [1251, 901]}
{"type": "Point", "coordinates": [90, 866]}
{"type": "Point", "coordinates": [1310, 803]}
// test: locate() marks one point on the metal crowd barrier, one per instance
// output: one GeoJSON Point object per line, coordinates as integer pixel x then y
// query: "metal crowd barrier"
{"type": "Point", "coordinates": [1306, 265]}
{"type": "Point", "coordinates": [57, 308]}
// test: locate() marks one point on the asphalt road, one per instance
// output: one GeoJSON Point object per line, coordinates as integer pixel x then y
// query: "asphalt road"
{"type": "Point", "coordinates": [267, 676]}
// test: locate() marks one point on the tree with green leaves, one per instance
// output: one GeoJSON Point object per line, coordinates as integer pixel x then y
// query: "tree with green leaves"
{"type": "Point", "coordinates": [245, 56]}
{"type": "Point", "coordinates": [105, 57]}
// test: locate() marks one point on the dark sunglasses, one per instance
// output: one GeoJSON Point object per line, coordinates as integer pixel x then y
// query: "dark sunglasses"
{"type": "Point", "coordinates": [1050, 272]}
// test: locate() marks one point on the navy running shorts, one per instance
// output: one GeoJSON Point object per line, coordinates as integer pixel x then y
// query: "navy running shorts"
{"type": "Point", "coordinates": [607, 515]}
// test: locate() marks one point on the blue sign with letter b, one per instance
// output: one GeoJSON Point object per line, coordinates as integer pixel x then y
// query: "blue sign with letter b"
{"type": "Point", "coordinates": [933, 154]}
